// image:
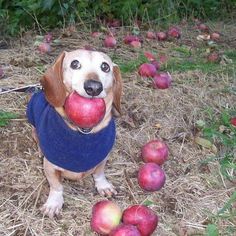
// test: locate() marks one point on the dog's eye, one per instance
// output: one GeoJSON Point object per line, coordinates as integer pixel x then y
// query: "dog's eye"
{"type": "Point", "coordinates": [105, 67]}
{"type": "Point", "coordinates": [75, 65]}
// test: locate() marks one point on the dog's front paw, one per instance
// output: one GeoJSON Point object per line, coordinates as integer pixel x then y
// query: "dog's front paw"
{"type": "Point", "coordinates": [103, 186]}
{"type": "Point", "coordinates": [53, 204]}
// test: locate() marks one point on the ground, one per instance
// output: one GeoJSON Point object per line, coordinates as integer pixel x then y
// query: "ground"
{"type": "Point", "coordinates": [196, 189]}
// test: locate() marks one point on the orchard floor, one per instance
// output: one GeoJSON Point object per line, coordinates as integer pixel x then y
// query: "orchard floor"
{"type": "Point", "coordinates": [194, 192]}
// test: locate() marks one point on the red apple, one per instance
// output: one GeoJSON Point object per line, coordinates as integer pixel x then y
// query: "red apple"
{"type": "Point", "coordinates": [125, 230]}
{"type": "Point", "coordinates": [233, 121]}
{"type": "Point", "coordinates": [84, 112]}
{"type": "Point", "coordinates": [96, 34]}
{"type": "Point", "coordinates": [162, 36]}
{"type": "Point", "coordinates": [129, 38]}
{"type": "Point", "coordinates": [136, 44]}
{"type": "Point", "coordinates": [106, 216]}
{"type": "Point", "coordinates": [162, 80]}
{"type": "Point", "coordinates": [151, 177]}
{"type": "Point", "coordinates": [213, 57]}
{"type": "Point", "coordinates": [149, 56]}
{"type": "Point", "coordinates": [215, 36]}
{"type": "Point", "coordinates": [203, 27]}
{"type": "Point", "coordinates": [151, 35]}
{"type": "Point", "coordinates": [44, 47]}
{"type": "Point", "coordinates": [144, 218]}
{"type": "Point", "coordinates": [154, 151]}
{"type": "Point", "coordinates": [174, 32]}
{"type": "Point", "coordinates": [147, 70]}
{"type": "Point", "coordinates": [110, 42]}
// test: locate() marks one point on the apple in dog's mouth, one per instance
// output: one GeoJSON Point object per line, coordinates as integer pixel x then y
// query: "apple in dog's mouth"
{"type": "Point", "coordinates": [84, 112]}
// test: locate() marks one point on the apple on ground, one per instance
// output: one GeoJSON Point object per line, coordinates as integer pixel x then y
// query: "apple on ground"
{"type": "Point", "coordinates": [150, 35]}
{"type": "Point", "coordinates": [110, 42]}
{"type": "Point", "coordinates": [136, 44]}
{"type": "Point", "coordinates": [213, 57]}
{"type": "Point", "coordinates": [174, 32]}
{"type": "Point", "coordinates": [151, 177]}
{"type": "Point", "coordinates": [106, 216]}
{"type": "Point", "coordinates": [162, 80]}
{"type": "Point", "coordinates": [147, 70]}
{"type": "Point", "coordinates": [129, 38]}
{"type": "Point", "coordinates": [125, 230]}
{"type": "Point", "coordinates": [154, 151]}
{"type": "Point", "coordinates": [162, 36]}
{"type": "Point", "coordinates": [84, 112]}
{"type": "Point", "coordinates": [144, 218]}
{"type": "Point", "coordinates": [44, 47]}
{"type": "Point", "coordinates": [233, 121]}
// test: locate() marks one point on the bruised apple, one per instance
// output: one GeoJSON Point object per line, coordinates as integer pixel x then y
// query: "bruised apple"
{"type": "Point", "coordinates": [154, 151]}
{"type": "Point", "coordinates": [144, 218]}
{"type": "Point", "coordinates": [106, 216]}
{"type": "Point", "coordinates": [84, 112]}
{"type": "Point", "coordinates": [147, 70]}
{"type": "Point", "coordinates": [125, 230]}
{"type": "Point", "coordinates": [162, 80]}
{"type": "Point", "coordinates": [151, 177]}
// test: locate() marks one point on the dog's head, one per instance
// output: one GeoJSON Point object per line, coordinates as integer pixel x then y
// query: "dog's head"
{"type": "Point", "coordinates": [89, 73]}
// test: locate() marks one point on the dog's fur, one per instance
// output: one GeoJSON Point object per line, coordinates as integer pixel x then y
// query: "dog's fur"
{"type": "Point", "coordinates": [58, 82]}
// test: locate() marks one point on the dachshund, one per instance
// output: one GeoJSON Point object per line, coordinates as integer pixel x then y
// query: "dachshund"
{"type": "Point", "coordinates": [70, 151]}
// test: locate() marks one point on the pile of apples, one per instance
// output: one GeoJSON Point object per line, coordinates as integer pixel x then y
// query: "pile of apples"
{"type": "Point", "coordinates": [161, 80]}
{"type": "Point", "coordinates": [136, 220]}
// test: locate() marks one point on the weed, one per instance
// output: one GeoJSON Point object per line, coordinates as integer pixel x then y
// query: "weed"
{"type": "Point", "coordinates": [5, 117]}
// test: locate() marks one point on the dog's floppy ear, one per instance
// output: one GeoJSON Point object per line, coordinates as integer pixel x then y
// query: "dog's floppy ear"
{"type": "Point", "coordinates": [117, 90]}
{"type": "Point", "coordinates": [53, 85]}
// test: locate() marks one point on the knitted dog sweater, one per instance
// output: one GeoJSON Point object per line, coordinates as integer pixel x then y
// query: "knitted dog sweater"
{"type": "Point", "coordinates": [64, 147]}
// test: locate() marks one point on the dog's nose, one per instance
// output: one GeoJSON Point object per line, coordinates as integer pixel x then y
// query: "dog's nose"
{"type": "Point", "coordinates": [93, 87]}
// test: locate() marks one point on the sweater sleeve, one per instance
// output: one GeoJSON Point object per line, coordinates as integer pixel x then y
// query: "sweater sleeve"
{"type": "Point", "coordinates": [35, 107]}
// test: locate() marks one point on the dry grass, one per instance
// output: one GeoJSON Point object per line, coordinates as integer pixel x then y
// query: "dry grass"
{"type": "Point", "coordinates": [191, 193]}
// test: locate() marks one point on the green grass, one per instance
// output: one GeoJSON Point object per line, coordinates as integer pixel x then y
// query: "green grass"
{"type": "Point", "coordinates": [5, 118]}
{"type": "Point", "coordinates": [218, 130]}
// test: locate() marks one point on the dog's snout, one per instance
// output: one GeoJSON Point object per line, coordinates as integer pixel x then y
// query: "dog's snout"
{"type": "Point", "coordinates": [93, 87]}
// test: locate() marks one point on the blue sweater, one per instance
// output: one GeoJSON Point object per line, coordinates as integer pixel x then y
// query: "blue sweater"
{"type": "Point", "coordinates": [62, 146]}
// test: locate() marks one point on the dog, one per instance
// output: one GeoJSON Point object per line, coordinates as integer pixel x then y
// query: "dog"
{"type": "Point", "coordinates": [70, 151]}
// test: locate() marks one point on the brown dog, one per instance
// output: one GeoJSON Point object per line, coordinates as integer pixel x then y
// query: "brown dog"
{"type": "Point", "coordinates": [70, 151]}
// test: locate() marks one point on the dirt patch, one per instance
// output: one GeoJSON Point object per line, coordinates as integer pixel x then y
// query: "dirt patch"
{"type": "Point", "coordinates": [192, 192]}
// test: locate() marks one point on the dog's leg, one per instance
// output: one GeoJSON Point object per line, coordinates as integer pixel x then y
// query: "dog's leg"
{"type": "Point", "coordinates": [104, 188]}
{"type": "Point", "coordinates": [55, 199]}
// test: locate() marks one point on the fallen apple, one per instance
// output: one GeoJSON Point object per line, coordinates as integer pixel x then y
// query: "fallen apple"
{"type": "Point", "coordinates": [150, 35]}
{"type": "Point", "coordinates": [151, 177]}
{"type": "Point", "coordinates": [125, 230]}
{"type": "Point", "coordinates": [106, 216]}
{"type": "Point", "coordinates": [203, 27]}
{"type": "Point", "coordinates": [162, 80]}
{"type": "Point", "coordinates": [144, 218]}
{"type": "Point", "coordinates": [129, 38]}
{"type": "Point", "coordinates": [44, 47]}
{"type": "Point", "coordinates": [84, 112]}
{"type": "Point", "coordinates": [215, 36]}
{"type": "Point", "coordinates": [213, 57]}
{"type": "Point", "coordinates": [96, 34]}
{"type": "Point", "coordinates": [233, 121]}
{"type": "Point", "coordinates": [110, 42]}
{"type": "Point", "coordinates": [149, 56]}
{"type": "Point", "coordinates": [136, 44]}
{"type": "Point", "coordinates": [147, 70]}
{"type": "Point", "coordinates": [155, 151]}
{"type": "Point", "coordinates": [162, 36]}
{"type": "Point", "coordinates": [174, 32]}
